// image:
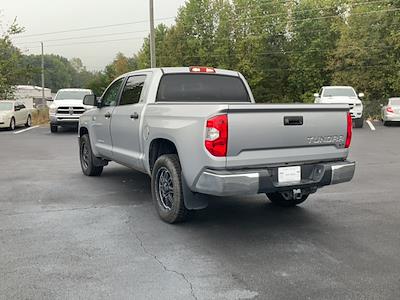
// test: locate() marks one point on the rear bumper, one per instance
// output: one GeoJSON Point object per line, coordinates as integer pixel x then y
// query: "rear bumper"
{"type": "Point", "coordinates": [392, 117]}
{"type": "Point", "coordinates": [230, 183]}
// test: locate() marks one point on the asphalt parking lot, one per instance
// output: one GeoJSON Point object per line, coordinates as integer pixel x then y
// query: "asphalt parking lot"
{"type": "Point", "coordinates": [64, 235]}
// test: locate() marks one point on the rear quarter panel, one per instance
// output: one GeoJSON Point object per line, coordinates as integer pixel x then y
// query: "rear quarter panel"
{"type": "Point", "coordinates": [184, 125]}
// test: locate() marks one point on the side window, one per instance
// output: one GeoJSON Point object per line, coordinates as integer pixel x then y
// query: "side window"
{"type": "Point", "coordinates": [133, 90]}
{"type": "Point", "coordinates": [22, 106]}
{"type": "Point", "coordinates": [110, 97]}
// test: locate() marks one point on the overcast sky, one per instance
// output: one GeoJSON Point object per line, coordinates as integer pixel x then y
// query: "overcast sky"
{"type": "Point", "coordinates": [43, 16]}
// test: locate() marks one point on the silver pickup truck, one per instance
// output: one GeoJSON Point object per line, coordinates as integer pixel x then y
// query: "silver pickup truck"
{"type": "Point", "coordinates": [197, 131]}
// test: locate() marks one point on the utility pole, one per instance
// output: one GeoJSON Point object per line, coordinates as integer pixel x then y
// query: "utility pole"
{"type": "Point", "coordinates": [152, 37]}
{"type": "Point", "coordinates": [43, 96]}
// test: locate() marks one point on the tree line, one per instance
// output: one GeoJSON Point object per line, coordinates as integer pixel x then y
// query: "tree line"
{"type": "Point", "coordinates": [286, 49]}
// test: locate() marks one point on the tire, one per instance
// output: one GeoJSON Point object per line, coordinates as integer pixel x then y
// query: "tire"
{"type": "Point", "coordinates": [28, 121]}
{"type": "Point", "coordinates": [12, 124]}
{"type": "Point", "coordinates": [385, 123]}
{"type": "Point", "coordinates": [278, 199]}
{"type": "Point", "coordinates": [166, 179]}
{"type": "Point", "coordinates": [359, 123]}
{"type": "Point", "coordinates": [53, 128]}
{"type": "Point", "coordinates": [86, 157]}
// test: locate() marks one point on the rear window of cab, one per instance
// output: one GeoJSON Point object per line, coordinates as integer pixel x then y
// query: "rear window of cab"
{"type": "Point", "coordinates": [190, 87]}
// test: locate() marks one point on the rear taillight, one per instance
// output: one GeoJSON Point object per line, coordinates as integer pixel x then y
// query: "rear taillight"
{"type": "Point", "coordinates": [216, 140]}
{"type": "Point", "coordinates": [349, 131]}
{"type": "Point", "coordinates": [390, 109]}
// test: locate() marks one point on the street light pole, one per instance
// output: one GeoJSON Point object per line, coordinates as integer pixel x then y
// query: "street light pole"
{"type": "Point", "coordinates": [152, 37]}
{"type": "Point", "coordinates": [43, 96]}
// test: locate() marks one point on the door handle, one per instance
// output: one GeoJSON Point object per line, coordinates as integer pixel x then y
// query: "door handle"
{"type": "Point", "coordinates": [107, 115]}
{"type": "Point", "coordinates": [135, 116]}
{"type": "Point", "coordinates": [293, 121]}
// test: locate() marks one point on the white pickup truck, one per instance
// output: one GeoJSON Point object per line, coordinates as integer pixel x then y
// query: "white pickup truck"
{"type": "Point", "coordinates": [67, 107]}
{"type": "Point", "coordinates": [343, 95]}
{"type": "Point", "coordinates": [197, 131]}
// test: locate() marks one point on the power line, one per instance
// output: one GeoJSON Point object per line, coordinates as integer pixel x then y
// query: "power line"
{"type": "Point", "coordinates": [294, 21]}
{"type": "Point", "coordinates": [82, 37]}
{"type": "Point", "coordinates": [216, 41]}
{"type": "Point", "coordinates": [92, 42]}
{"type": "Point", "coordinates": [262, 16]}
{"type": "Point", "coordinates": [218, 55]}
{"type": "Point", "coordinates": [338, 69]}
{"type": "Point", "coordinates": [261, 54]}
{"type": "Point", "coordinates": [169, 18]}
{"type": "Point", "coordinates": [349, 5]}
{"type": "Point", "coordinates": [90, 28]}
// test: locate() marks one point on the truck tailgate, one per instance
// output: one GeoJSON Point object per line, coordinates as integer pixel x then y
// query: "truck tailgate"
{"type": "Point", "coordinates": [269, 134]}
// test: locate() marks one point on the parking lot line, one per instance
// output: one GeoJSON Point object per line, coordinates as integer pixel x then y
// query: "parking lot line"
{"type": "Point", "coordinates": [371, 125]}
{"type": "Point", "coordinates": [23, 130]}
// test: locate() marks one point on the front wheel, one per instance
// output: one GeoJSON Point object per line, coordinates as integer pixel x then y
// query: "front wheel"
{"type": "Point", "coordinates": [359, 123]}
{"type": "Point", "coordinates": [53, 128]}
{"type": "Point", "coordinates": [286, 199]}
{"type": "Point", "coordinates": [28, 121]}
{"type": "Point", "coordinates": [166, 188]}
{"type": "Point", "coordinates": [12, 124]}
{"type": "Point", "coordinates": [87, 158]}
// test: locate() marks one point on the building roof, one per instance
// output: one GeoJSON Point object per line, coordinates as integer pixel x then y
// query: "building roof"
{"type": "Point", "coordinates": [29, 87]}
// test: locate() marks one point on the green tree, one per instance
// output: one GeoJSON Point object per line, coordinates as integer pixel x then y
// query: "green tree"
{"type": "Point", "coordinates": [368, 52]}
{"type": "Point", "coordinates": [10, 57]}
{"type": "Point", "coordinates": [99, 81]}
{"type": "Point", "coordinates": [313, 32]}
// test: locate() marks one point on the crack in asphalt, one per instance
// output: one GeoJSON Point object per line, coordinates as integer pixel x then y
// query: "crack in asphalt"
{"type": "Point", "coordinates": [166, 269]}
{"type": "Point", "coordinates": [63, 209]}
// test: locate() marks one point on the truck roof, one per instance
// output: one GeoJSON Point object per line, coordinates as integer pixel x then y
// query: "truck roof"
{"type": "Point", "coordinates": [180, 70]}
{"type": "Point", "coordinates": [337, 86]}
{"type": "Point", "coordinates": [75, 89]}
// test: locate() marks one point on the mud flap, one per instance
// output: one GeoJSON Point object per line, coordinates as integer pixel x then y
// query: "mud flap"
{"type": "Point", "coordinates": [98, 162]}
{"type": "Point", "coordinates": [193, 201]}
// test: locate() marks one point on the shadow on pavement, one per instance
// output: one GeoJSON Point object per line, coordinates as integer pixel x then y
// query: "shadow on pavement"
{"type": "Point", "coordinates": [65, 131]}
{"type": "Point", "coordinates": [245, 212]}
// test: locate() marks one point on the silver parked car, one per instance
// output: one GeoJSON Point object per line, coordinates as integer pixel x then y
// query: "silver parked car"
{"type": "Point", "coordinates": [391, 112]}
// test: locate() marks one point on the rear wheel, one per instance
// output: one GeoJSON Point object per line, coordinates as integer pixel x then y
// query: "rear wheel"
{"type": "Point", "coordinates": [166, 187]}
{"type": "Point", "coordinates": [53, 128]}
{"type": "Point", "coordinates": [12, 124]}
{"type": "Point", "coordinates": [28, 121]}
{"type": "Point", "coordinates": [286, 199]}
{"type": "Point", "coordinates": [87, 158]}
{"type": "Point", "coordinates": [359, 123]}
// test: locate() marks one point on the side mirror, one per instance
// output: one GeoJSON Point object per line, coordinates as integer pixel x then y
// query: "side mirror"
{"type": "Point", "coordinates": [90, 100]}
{"type": "Point", "coordinates": [316, 95]}
{"type": "Point", "coordinates": [361, 95]}
{"type": "Point", "coordinates": [99, 103]}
